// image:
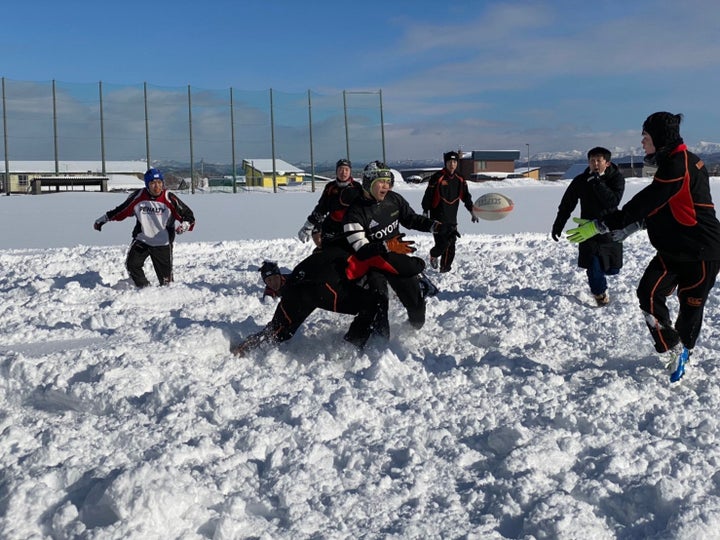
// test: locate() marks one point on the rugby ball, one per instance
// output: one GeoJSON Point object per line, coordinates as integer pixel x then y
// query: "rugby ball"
{"type": "Point", "coordinates": [492, 206]}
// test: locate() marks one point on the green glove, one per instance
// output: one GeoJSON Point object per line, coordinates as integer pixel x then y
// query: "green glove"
{"type": "Point", "coordinates": [586, 230]}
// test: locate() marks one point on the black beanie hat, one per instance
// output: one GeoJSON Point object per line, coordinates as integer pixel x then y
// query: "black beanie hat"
{"type": "Point", "coordinates": [447, 156]}
{"type": "Point", "coordinates": [269, 268]}
{"type": "Point", "coordinates": [664, 128]}
{"type": "Point", "coordinates": [342, 162]}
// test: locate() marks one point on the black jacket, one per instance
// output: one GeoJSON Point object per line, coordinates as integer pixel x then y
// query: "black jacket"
{"type": "Point", "coordinates": [677, 208]}
{"type": "Point", "coordinates": [443, 195]}
{"type": "Point", "coordinates": [598, 196]}
{"type": "Point", "coordinates": [369, 223]}
{"type": "Point", "coordinates": [330, 209]}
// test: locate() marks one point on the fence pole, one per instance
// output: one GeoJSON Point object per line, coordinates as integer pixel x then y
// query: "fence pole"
{"type": "Point", "coordinates": [102, 129]}
{"type": "Point", "coordinates": [312, 156]}
{"type": "Point", "coordinates": [232, 140]}
{"type": "Point", "coordinates": [272, 141]}
{"type": "Point", "coordinates": [382, 126]}
{"type": "Point", "coordinates": [55, 141]}
{"type": "Point", "coordinates": [147, 129]}
{"type": "Point", "coordinates": [5, 139]}
{"type": "Point", "coordinates": [347, 133]}
{"type": "Point", "coordinates": [192, 158]}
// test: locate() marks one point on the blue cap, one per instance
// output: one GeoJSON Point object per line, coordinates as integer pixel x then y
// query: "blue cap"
{"type": "Point", "coordinates": [153, 174]}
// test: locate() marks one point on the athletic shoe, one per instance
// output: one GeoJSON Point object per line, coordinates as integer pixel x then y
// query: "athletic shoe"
{"type": "Point", "coordinates": [427, 289]}
{"type": "Point", "coordinates": [602, 299]}
{"type": "Point", "coordinates": [434, 262]}
{"type": "Point", "coordinates": [680, 357]}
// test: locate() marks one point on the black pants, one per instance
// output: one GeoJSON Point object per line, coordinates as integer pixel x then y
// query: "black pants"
{"type": "Point", "coordinates": [299, 300]}
{"type": "Point", "coordinates": [408, 292]}
{"type": "Point", "coordinates": [445, 249]}
{"type": "Point", "coordinates": [161, 257]}
{"type": "Point", "coordinates": [694, 280]}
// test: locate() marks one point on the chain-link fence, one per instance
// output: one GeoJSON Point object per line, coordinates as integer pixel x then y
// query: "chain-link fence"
{"type": "Point", "coordinates": [196, 132]}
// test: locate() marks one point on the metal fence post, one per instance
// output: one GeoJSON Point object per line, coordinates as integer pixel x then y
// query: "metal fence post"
{"type": "Point", "coordinates": [192, 158]}
{"type": "Point", "coordinates": [312, 157]}
{"type": "Point", "coordinates": [5, 139]}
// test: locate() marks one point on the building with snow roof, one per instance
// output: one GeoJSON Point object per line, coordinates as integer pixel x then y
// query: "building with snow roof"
{"type": "Point", "coordinates": [28, 176]}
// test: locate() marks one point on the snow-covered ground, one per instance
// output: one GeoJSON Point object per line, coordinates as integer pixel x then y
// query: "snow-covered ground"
{"type": "Point", "coordinates": [520, 410]}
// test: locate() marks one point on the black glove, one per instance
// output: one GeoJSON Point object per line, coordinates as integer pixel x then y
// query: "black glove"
{"type": "Point", "coordinates": [99, 222]}
{"type": "Point", "coordinates": [445, 229]}
{"type": "Point", "coordinates": [557, 230]}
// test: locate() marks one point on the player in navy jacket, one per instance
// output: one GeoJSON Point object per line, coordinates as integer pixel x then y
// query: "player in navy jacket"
{"type": "Point", "coordinates": [599, 190]}
{"type": "Point", "coordinates": [160, 215]}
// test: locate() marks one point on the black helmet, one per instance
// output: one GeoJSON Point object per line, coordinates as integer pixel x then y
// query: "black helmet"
{"type": "Point", "coordinates": [374, 170]}
{"type": "Point", "coordinates": [269, 268]}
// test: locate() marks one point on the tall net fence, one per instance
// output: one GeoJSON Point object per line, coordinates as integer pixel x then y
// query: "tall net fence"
{"type": "Point", "coordinates": [201, 132]}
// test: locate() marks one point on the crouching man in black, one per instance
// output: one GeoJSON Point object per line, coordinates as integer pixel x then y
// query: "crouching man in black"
{"type": "Point", "coordinates": [328, 279]}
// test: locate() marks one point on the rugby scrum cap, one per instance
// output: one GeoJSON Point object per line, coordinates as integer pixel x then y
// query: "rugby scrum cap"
{"type": "Point", "coordinates": [447, 156]}
{"type": "Point", "coordinates": [373, 171]}
{"type": "Point", "coordinates": [152, 174]}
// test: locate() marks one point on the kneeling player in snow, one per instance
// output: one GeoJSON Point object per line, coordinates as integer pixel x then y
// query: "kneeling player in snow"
{"type": "Point", "coordinates": [372, 226]}
{"type": "Point", "coordinates": [328, 279]}
{"type": "Point", "coordinates": [160, 215]}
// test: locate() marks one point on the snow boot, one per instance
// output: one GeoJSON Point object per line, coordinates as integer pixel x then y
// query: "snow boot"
{"type": "Point", "coordinates": [602, 299]}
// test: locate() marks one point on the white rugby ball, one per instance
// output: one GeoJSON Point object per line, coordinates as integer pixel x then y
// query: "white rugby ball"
{"type": "Point", "coordinates": [492, 206]}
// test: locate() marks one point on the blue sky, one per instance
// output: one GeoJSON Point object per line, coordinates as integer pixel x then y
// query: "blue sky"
{"type": "Point", "coordinates": [559, 76]}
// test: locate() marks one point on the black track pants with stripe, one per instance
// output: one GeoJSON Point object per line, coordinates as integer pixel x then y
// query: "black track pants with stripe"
{"type": "Point", "coordinates": [693, 280]}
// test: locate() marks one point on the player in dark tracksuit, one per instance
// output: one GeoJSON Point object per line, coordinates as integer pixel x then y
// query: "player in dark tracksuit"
{"type": "Point", "coordinates": [372, 227]}
{"type": "Point", "coordinates": [160, 215]}
{"type": "Point", "coordinates": [678, 212]}
{"type": "Point", "coordinates": [322, 281]}
{"type": "Point", "coordinates": [599, 189]}
{"type": "Point", "coordinates": [325, 223]}
{"type": "Point", "coordinates": [440, 202]}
